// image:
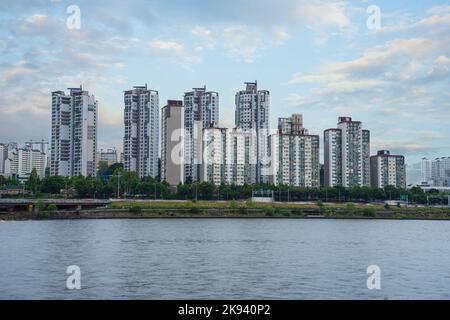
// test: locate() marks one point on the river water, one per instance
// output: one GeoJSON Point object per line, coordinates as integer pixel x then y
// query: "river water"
{"type": "Point", "coordinates": [225, 259]}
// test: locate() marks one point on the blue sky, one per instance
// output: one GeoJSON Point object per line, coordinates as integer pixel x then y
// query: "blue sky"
{"type": "Point", "coordinates": [318, 58]}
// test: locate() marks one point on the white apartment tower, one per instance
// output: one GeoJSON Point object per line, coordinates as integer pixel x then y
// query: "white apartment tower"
{"type": "Point", "coordinates": [387, 170]}
{"type": "Point", "coordinates": [20, 162]}
{"type": "Point", "coordinates": [172, 143]}
{"type": "Point", "coordinates": [241, 157]}
{"type": "Point", "coordinates": [425, 170]}
{"type": "Point", "coordinates": [295, 154]}
{"type": "Point", "coordinates": [2, 158]}
{"type": "Point", "coordinates": [347, 154]}
{"type": "Point", "coordinates": [74, 133]}
{"type": "Point", "coordinates": [252, 113]}
{"type": "Point", "coordinates": [440, 172]}
{"type": "Point", "coordinates": [214, 151]}
{"type": "Point", "coordinates": [141, 139]}
{"type": "Point", "coordinates": [332, 155]}
{"type": "Point", "coordinates": [201, 110]}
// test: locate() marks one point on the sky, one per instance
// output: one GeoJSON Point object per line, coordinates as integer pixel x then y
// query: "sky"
{"type": "Point", "coordinates": [323, 59]}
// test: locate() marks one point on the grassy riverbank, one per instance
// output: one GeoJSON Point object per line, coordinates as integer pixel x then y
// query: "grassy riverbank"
{"type": "Point", "coordinates": [233, 209]}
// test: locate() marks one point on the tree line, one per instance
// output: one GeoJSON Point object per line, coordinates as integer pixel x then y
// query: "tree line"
{"type": "Point", "coordinates": [113, 181]}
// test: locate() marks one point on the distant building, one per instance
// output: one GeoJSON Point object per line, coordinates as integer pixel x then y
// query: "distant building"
{"type": "Point", "coordinates": [295, 154]}
{"type": "Point", "coordinates": [74, 133]}
{"type": "Point", "coordinates": [440, 172]}
{"type": "Point", "coordinates": [172, 143]}
{"type": "Point", "coordinates": [109, 156]}
{"type": "Point", "coordinates": [21, 161]}
{"type": "Point", "coordinates": [141, 139]}
{"type": "Point", "coordinates": [201, 110]}
{"type": "Point", "coordinates": [425, 169]}
{"type": "Point", "coordinates": [2, 158]}
{"type": "Point", "coordinates": [42, 146]}
{"type": "Point", "coordinates": [347, 154]}
{"type": "Point", "coordinates": [387, 170]}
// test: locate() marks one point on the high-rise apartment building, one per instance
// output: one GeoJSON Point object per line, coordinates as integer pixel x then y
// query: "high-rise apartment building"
{"type": "Point", "coordinates": [387, 170]}
{"type": "Point", "coordinates": [252, 113]}
{"type": "Point", "coordinates": [141, 139]}
{"type": "Point", "coordinates": [295, 154]}
{"type": "Point", "coordinates": [172, 143]}
{"type": "Point", "coordinates": [241, 156]}
{"type": "Point", "coordinates": [425, 171]}
{"type": "Point", "coordinates": [214, 155]}
{"type": "Point", "coordinates": [201, 110]}
{"type": "Point", "coordinates": [347, 154]}
{"type": "Point", "coordinates": [2, 158]}
{"type": "Point", "coordinates": [333, 157]}
{"type": "Point", "coordinates": [74, 133]}
{"type": "Point", "coordinates": [440, 172]}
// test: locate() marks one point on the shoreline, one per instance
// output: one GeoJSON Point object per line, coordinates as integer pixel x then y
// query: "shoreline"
{"type": "Point", "coordinates": [118, 214]}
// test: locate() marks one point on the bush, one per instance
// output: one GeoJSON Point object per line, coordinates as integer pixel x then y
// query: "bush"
{"type": "Point", "coordinates": [249, 203]}
{"type": "Point", "coordinates": [286, 213]}
{"type": "Point", "coordinates": [369, 212]}
{"type": "Point", "coordinates": [52, 208]}
{"type": "Point", "coordinates": [195, 210]}
{"type": "Point", "coordinates": [40, 206]}
{"type": "Point", "coordinates": [269, 211]}
{"type": "Point", "coordinates": [350, 208]}
{"type": "Point", "coordinates": [297, 212]}
{"type": "Point", "coordinates": [135, 210]}
{"type": "Point", "coordinates": [320, 204]}
{"type": "Point", "coordinates": [233, 204]}
{"type": "Point", "coordinates": [387, 206]}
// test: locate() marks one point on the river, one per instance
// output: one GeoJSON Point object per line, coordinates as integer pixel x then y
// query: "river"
{"type": "Point", "coordinates": [225, 259]}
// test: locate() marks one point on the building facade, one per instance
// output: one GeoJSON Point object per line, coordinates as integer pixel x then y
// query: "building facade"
{"type": "Point", "coordinates": [425, 171]}
{"type": "Point", "coordinates": [141, 138]}
{"type": "Point", "coordinates": [387, 170]}
{"type": "Point", "coordinates": [295, 154]}
{"type": "Point", "coordinates": [172, 143]}
{"type": "Point", "coordinates": [440, 172]}
{"type": "Point", "coordinates": [20, 162]}
{"type": "Point", "coordinates": [109, 156]}
{"type": "Point", "coordinates": [201, 110]}
{"type": "Point", "coordinates": [74, 133]}
{"type": "Point", "coordinates": [241, 157]}
{"type": "Point", "coordinates": [214, 155]}
{"type": "Point", "coordinates": [347, 154]}
{"type": "Point", "coordinates": [252, 113]}
{"type": "Point", "coordinates": [332, 157]}
{"type": "Point", "coordinates": [2, 158]}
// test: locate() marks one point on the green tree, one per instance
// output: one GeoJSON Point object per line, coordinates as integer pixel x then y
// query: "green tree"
{"type": "Point", "coordinates": [52, 185]}
{"type": "Point", "coordinates": [33, 182]}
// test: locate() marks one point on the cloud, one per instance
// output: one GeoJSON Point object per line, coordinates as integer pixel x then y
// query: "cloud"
{"type": "Point", "coordinates": [242, 44]}
{"type": "Point", "coordinates": [246, 45]}
{"type": "Point", "coordinates": [206, 34]}
{"type": "Point", "coordinates": [176, 52]}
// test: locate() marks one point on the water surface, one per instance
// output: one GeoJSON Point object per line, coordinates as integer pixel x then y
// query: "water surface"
{"type": "Point", "coordinates": [225, 259]}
